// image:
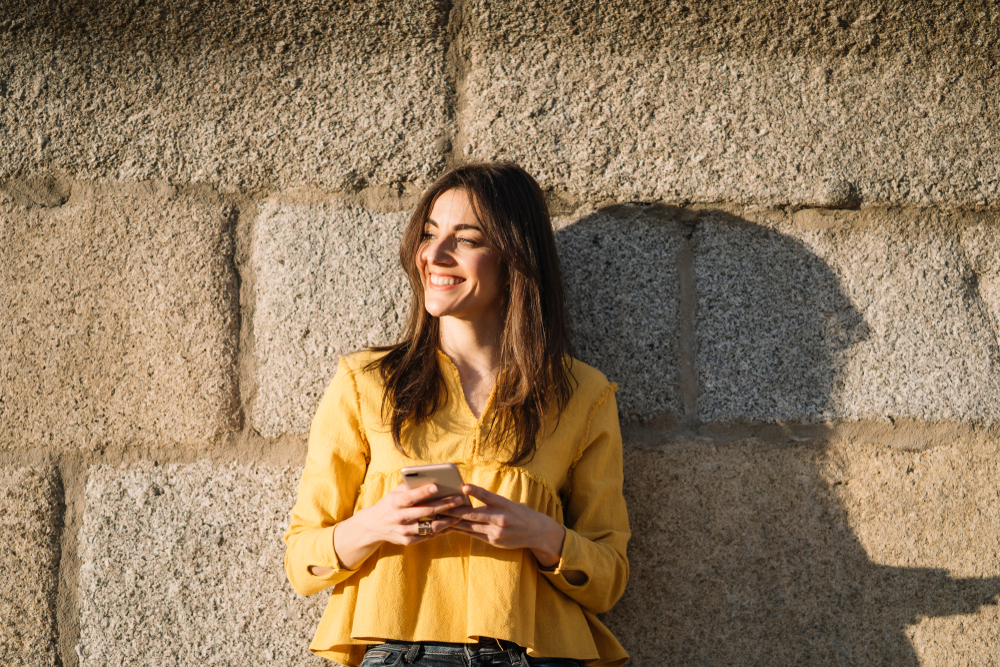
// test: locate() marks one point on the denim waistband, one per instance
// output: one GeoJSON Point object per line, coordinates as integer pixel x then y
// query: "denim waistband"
{"type": "Point", "coordinates": [485, 646]}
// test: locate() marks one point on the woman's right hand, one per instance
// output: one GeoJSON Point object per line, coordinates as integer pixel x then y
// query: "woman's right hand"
{"type": "Point", "coordinates": [393, 519]}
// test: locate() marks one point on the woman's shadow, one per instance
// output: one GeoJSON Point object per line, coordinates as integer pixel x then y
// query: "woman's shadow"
{"type": "Point", "coordinates": [740, 554]}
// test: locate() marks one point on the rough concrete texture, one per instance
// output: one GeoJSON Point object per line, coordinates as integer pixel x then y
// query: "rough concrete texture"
{"type": "Point", "coordinates": [777, 555]}
{"type": "Point", "coordinates": [744, 102]}
{"type": "Point", "coordinates": [118, 322]}
{"type": "Point", "coordinates": [620, 270]}
{"type": "Point", "coordinates": [935, 509]}
{"type": "Point", "coordinates": [263, 93]}
{"type": "Point", "coordinates": [880, 319]}
{"type": "Point", "coordinates": [981, 244]}
{"type": "Point", "coordinates": [30, 520]}
{"type": "Point", "coordinates": [184, 565]}
{"type": "Point", "coordinates": [328, 282]}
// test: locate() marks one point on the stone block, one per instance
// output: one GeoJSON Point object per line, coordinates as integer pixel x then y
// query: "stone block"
{"type": "Point", "coordinates": [328, 283]}
{"type": "Point", "coordinates": [119, 319]}
{"type": "Point", "coordinates": [31, 507]}
{"type": "Point", "coordinates": [311, 308]}
{"type": "Point", "coordinates": [623, 295]}
{"type": "Point", "coordinates": [981, 243]}
{"type": "Point", "coordinates": [932, 509]}
{"type": "Point", "coordinates": [184, 565]}
{"type": "Point", "coordinates": [275, 93]}
{"type": "Point", "coordinates": [760, 102]}
{"type": "Point", "coordinates": [935, 508]}
{"type": "Point", "coordinates": [773, 555]}
{"type": "Point", "coordinates": [876, 317]}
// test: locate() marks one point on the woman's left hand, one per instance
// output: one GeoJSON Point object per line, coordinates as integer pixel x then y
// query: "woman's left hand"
{"type": "Point", "coordinates": [509, 525]}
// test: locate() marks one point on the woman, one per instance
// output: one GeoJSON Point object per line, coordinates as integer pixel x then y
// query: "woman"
{"type": "Point", "coordinates": [483, 379]}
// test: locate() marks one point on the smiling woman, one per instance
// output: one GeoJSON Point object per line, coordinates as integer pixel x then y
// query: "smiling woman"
{"type": "Point", "coordinates": [483, 377]}
{"type": "Point", "coordinates": [461, 274]}
{"type": "Point", "coordinates": [454, 253]}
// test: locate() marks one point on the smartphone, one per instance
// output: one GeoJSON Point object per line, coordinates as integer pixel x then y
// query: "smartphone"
{"type": "Point", "coordinates": [445, 475]}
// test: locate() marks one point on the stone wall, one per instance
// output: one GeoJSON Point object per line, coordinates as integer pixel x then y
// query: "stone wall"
{"type": "Point", "coordinates": [779, 225]}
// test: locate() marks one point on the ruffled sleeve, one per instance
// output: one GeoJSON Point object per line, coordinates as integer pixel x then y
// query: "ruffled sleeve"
{"type": "Point", "coordinates": [596, 518]}
{"type": "Point", "coordinates": [335, 469]}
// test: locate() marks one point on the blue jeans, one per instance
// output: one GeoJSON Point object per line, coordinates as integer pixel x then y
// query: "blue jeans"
{"type": "Point", "coordinates": [485, 653]}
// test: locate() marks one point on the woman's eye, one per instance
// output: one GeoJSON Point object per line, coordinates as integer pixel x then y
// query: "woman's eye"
{"type": "Point", "coordinates": [469, 242]}
{"type": "Point", "coordinates": [425, 236]}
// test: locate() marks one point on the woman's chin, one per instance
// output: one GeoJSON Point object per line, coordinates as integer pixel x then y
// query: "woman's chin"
{"type": "Point", "coordinates": [449, 313]}
{"type": "Point", "coordinates": [436, 311]}
{"type": "Point", "coordinates": [440, 307]}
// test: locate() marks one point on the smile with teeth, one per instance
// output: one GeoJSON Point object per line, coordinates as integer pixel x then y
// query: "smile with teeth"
{"type": "Point", "coordinates": [445, 280]}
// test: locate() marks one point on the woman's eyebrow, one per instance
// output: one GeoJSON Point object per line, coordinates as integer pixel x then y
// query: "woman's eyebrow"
{"type": "Point", "coordinates": [458, 228]}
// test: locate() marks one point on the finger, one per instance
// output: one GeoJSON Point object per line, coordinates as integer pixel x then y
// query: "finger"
{"type": "Point", "coordinates": [476, 514]}
{"type": "Point", "coordinates": [470, 527]}
{"type": "Point", "coordinates": [487, 497]}
{"type": "Point", "coordinates": [438, 506]}
{"type": "Point", "coordinates": [418, 512]}
{"type": "Point", "coordinates": [409, 498]}
{"type": "Point", "coordinates": [441, 525]}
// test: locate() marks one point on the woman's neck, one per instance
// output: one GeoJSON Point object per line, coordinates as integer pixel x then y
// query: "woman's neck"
{"type": "Point", "coordinates": [474, 348]}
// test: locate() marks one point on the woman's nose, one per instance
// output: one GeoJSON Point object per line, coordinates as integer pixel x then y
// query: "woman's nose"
{"type": "Point", "coordinates": [438, 251]}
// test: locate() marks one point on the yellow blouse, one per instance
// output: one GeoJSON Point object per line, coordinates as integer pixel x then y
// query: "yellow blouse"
{"type": "Point", "coordinates": [455, 588]}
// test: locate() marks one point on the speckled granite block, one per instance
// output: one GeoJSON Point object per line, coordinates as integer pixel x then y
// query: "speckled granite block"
{"type": "Point", "coordinates": [761, 101]}
{"type": "Point", "coordinates": [932, 509]}
{"type": "Point", "coordinates": [981, 244]}
{"type": "Point", "coordinates": [620, 270]}
{"type": "Point", "coordinates": [184, 565]}
{"type": "Point", "coordinates": [280, 93]}
{"type": "Point", "coordinates": [119, 318]}
{"type": "Point", "coordinates": [328, 283]}
{"type": "Point", "coordinates": [764, 555]}
{"type": "Point", "coordinates": [30, 522]}
{"type": "Point", "coordinates": [880, 320]}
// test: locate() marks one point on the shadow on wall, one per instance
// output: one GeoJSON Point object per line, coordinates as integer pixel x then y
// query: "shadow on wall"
{"type": "Point", "coordinates": [622, 289]}
{"type": "Point", "coordinates": [742, 554]}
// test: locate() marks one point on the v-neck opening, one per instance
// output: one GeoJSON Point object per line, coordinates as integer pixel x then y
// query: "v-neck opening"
{"type": "Point", "coordinates": [461, 391]}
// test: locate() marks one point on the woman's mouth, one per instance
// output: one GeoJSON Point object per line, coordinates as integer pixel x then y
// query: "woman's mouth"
{"type": "Point", "coordinates": [445, 281]}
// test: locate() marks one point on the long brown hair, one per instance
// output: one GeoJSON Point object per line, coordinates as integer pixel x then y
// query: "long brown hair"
{"type": "Point", "coordinates": [534, 375]}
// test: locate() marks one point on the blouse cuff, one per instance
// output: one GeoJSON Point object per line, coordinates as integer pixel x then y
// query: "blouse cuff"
{"type": "Point", "coordinates": [323, 554]}
{"type": "Point", "coordinates": [571, 559]}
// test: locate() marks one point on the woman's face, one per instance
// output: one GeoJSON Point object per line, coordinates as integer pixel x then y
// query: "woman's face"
{"type": "Point", "coordinates": [461, 274]}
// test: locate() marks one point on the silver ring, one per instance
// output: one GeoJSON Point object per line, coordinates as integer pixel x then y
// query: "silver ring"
{"type": "Point", "coordinates": [424, 528]}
